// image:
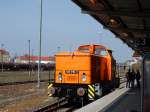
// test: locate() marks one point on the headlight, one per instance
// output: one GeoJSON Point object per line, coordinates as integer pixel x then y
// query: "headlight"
{"type": "Point", "coordinates": [60, 76]}
{"type": "Point", "coordinates": [83, 77]}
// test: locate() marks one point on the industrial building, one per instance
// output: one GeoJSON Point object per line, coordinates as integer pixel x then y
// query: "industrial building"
{"type": "Point", "coordinates": [4, 56]}
{"type": "Point", "coordinates": [34, 59]}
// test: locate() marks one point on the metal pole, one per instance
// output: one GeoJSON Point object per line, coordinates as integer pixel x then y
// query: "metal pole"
{"type": "Point", "coordinates": [39, 63]}
{"type": "Point", "coordinates": [2, 45]}
{"type": "Point", "coordinates": [29, 60]}
{"type": "Point", "coordinates": [32, 61]}
{"type": "Point", "coordinates": [119, 70]}
{"type": "Point", "coordinates": [142, 84]}
{"type": "Point", "coordinates": [32, 53]}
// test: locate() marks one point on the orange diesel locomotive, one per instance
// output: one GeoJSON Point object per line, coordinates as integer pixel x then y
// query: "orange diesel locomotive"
{"type": "Point", "coordinates": [87, 73]}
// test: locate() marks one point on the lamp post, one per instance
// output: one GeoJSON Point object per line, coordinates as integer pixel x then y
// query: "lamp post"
{"type": "Point", "coordinates": [32, 64]}
{"type": "Point", "coordinates": [29, 60]}
{"type": "Point", "coordinates": [40, 42]}
{"type": "Point", "coordinates": [32, 53]}
{"type": "Point", "coordinates": [2, 45]}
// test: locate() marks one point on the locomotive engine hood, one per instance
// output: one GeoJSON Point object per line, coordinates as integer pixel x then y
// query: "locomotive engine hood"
{"type": "Point", "coordinates": [73, 67]}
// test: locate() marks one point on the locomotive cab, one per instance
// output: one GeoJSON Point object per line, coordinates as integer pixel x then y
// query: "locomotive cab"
{"type": "Point", "coordinates": [89, 72]}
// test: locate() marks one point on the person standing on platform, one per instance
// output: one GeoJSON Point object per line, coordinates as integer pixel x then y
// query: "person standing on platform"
{"type": "Point", "coordinates": [132, 78]}
{"type": "Point", "coordinates": [138, 77]}
{"type": "Point", "coordinates": [128, 78]}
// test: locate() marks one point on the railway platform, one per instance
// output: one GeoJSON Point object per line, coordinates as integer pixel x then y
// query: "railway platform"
{"type": "Point", "coordinates": [121, 100]}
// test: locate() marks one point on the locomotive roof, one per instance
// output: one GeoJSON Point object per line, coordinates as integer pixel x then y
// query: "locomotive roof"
{"type": "Point", "coordinates": [95, 45]}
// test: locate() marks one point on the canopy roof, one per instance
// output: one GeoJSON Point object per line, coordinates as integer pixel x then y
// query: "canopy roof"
{"type": "Point", "coordinates": [129, 20]}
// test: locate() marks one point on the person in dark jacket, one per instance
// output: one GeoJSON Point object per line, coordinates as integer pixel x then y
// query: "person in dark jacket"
{"type": "Point", "coordinates": [128, 77]}
{"type": "Point", "coordinates": [138, 77]}
{"type": "Point", "coordinates": [132, 78]}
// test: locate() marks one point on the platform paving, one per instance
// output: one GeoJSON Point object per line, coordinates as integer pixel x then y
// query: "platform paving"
{"type": "Point", "coordinates": [130, 102]}
{"type": "Point", "coordinates": [120, 100]}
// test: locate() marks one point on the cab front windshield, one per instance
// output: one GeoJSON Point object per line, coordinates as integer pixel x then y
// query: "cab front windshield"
{"type": "Point", "coordinates": [84, 49]}
{"type": "Point", "coordinates": [101, 52]}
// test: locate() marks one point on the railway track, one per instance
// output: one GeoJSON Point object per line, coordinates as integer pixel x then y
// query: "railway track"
{"type": "Point", "coordinates": [22, 82]}
{"type": "Point", "coordinates": [122, 80]}
{"type": "Point", "coordinates": [61, 105]}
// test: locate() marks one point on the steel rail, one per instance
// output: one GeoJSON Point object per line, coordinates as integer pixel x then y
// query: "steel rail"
{"type": "Point", "coordinates": [22, 82]}
{"type": "Point", "coordinates": [58, 105]}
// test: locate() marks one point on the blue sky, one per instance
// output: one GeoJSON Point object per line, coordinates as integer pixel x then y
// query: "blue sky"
{"type": "Point", "coordinates": [64, 26]}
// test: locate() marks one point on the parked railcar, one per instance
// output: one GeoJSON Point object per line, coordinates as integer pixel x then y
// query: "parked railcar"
{"type": "Point", "coordinates": [25, 66]}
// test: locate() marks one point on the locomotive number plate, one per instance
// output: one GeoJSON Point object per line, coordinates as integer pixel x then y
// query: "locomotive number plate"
{"type": "Point", "coordinates": [71, 71]}
{"type": "Point", "coordinates": [71, 78]}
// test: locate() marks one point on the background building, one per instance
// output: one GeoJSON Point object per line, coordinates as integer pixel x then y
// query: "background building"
{"type": "Point", "coordinates": [135, 62]}
{"type": "Point", "coordinates": [35, 59]}
{"type": "Point", "coordinates": [4, 56]}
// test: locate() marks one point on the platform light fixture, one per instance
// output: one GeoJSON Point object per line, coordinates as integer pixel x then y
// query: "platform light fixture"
{"type": "Point", "coordinates": [93, 2]}
{"type": "Point", "coordinates": [113, 22]}
{"type": "Point", "coordinates": [125, 34]}
{"type": "Point", "coordinates": [131, 41]}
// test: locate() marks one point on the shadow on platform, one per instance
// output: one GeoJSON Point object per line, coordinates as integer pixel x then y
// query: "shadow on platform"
{"type": "Point", "coordinates": [130, 102]}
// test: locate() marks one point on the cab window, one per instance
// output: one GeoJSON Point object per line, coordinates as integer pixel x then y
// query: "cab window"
{"type": "Point", "coordinates": [101, 52]}
{"type": "Point", "coordinates": [97, 51]}
{"type": "Point", "coordinates": [86, 50]}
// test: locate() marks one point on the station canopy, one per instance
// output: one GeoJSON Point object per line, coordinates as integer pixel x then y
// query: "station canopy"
{"type": "Point", "coordinates": [129, 20]}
